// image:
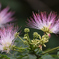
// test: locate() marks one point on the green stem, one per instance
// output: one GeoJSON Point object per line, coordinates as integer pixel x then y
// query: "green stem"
{"type": "Point", "coordinates": [33, 52]}
{"type": "Point", "coordinates": [18, 48]}
{"type": "Point", "coordinates": [28, 37]}
{"type": "Point", "coordinates": [20, 38]}
{"type": "Point", "coordinates": [50, 50]}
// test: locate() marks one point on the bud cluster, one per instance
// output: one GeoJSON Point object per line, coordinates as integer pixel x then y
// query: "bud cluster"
{"type": "Point", "coordinates": [26, 36]}
{"type": "Point", "coordinates": [37, 41]}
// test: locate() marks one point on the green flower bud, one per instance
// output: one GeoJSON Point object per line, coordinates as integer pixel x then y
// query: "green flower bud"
{"type": "Point", "coordinates": [39, 37]}
{"type": "Point", "coordinates": [35, 42]}
{"type": "Point", "coordinates": [25, 42]}
{"type": "Point", "coordinates": [44, 45]}
{"type": "Point", "coordinates": [40, 46]}
{"type": "Point", "coordinates": [25, 35]}
{"type": "Point", "coordinates": [26, 30]}
{"type": "Point", "coordinates": [25, 38]}
{"type": "Point", "coordinates": [35, 34]}
{"type": "Point", "coordinates": [45, 37]}
{"type": "Point", "coordinates": [13, 46]}
{"type": "Point", "coordinates": [41, 41]}
{"type": "Point", "coordinates": [16, 34]}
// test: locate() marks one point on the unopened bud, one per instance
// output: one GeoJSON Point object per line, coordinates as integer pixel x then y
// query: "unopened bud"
{"type": "Point", "coordinates": [44, 45]}
{"type": "Point", "coordinates": [45, 36]}
{"type": "Point", "coordinates": [26, 30]}
{"type": "Point", "coordinates": [49, 34]}
{"type": "Point", "coordinates": [39, 36]}
{"type": "Point", "coordinates": [25, 35]}
{"type": "Point", "coordinates": [35, 34]}
{"type": "Point", "coordinates": [40, 46]}
{"type": "Point", "coordinates": [25, 38]}
{"type": "Point", "coordinates": [16, 34]}
{"type": "Point", "coordinates": [25, 42]}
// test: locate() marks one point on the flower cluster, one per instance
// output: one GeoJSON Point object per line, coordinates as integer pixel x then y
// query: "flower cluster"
{"type": "Point", "coordinates": [46, 23]}
{"type": "Point", "coordinates": [7, 38]}
{"type": "Point", "coordinates": [5, 16]}
{"type": "Point", "coordinates": [7, 31]}
{"type": "Point", "coordinates": [37, 41]}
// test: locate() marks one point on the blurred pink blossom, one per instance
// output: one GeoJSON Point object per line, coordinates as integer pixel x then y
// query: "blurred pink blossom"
{"type": "Point", "coordinates": [5, 16]}
{"type": "Point", "coordinates": [7, 38]}
{"type": "Point", "coordinates": [47, 23]}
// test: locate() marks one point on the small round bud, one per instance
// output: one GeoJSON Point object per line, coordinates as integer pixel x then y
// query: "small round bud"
{"type": "Point", "coordinates": [25, 42]}
{"type": "Point", "coordinates": [45, 36]}
{"type": "Point", "coordinates": [49, 34]}
{"type": "Point", "coordinates": [44, 45]}
{"type": "Point", "coordinates": [16, 34]}
{"type": "Point", "coordinates": [40, 46]}
{"type": "Point", "coordinates": [25, 35]}
{"type": "Point", "coordinates": [25, 38]}
{"type": "Point", "coordinates": [35, 34]}
{"type": "Point", "coordinates": [26, 30]}
{"type": "Point", "coordinates": [31, 40]}
{"type": "Point", "coordinates": [39, 37]}
{"type": "Point", "coordinates": [13, 46]}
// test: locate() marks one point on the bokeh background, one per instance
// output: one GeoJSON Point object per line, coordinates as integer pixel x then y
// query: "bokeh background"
{"type": "Point", "coordinates": [23, 10]}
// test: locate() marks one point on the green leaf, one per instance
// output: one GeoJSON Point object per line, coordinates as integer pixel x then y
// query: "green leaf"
{"type": "Point", "coordinates": [4, 57]}
{"type": "Point", "coordinates": [29, 56]}
{"type": "Point", "coordinates": [47, 56]}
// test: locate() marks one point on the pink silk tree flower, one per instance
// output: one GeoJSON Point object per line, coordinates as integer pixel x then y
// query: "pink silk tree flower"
{"type": "Point", "coordinates": [7, 38]}
{"type": "Point", "coordinates": [5, 16]}
{"type": "Point", "coordinates": [47, 23]}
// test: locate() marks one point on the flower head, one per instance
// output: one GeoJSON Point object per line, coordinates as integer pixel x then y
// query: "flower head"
{"type": "Point", "coordinates": [5, 16]}
{"type": "Point", "coordinates": [7, 38]}
{"type": "Point", "coordinates": [47, 23]}
{"type": "Point", "coordinates": [26, 30]}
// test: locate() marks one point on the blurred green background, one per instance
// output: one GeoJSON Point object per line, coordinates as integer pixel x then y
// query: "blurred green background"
{"type": "Point", "coordinates": [23, 10]}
